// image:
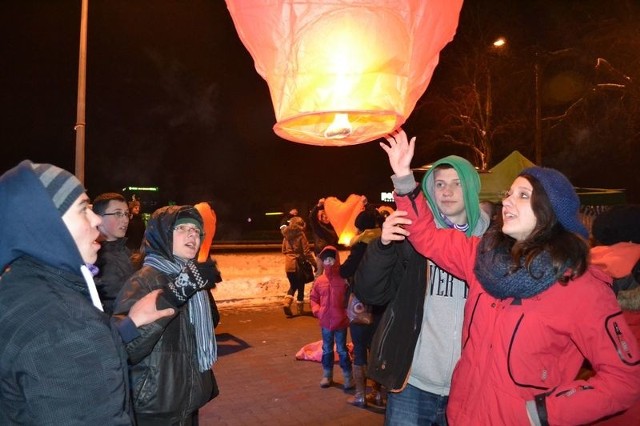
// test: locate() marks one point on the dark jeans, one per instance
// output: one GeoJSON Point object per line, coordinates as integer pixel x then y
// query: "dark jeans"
{"type": "Point", "coordinates": [295, 285]}
{"type": "Point", "coordinates": [328, 357]}
{"type": "Point", "coordinates": [413, 406]}
{"type": "Point", "coordinates": [361, 336]}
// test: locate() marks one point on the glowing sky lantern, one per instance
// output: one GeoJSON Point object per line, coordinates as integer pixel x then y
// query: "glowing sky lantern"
{"type": "Point", "coordinates": [210, 218]}
{"type": "Point", "coordinates": [344, 72]}
{"type": "Point", "coordinates": [342, 216]}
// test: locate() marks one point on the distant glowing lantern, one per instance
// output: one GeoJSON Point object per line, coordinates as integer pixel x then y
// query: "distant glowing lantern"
{"type": "Point", "coordinates": [209, 218]}
{"type": "Point", "coordinates": [342, 216]}
{"type": "Point", "coordinates": [344, 72]}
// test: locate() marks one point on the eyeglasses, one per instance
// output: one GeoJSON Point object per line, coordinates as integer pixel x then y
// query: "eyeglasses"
{"type": "Point", "coordinates": [118, 215]}
{"type": "Point", "coordinates": [184, 229]}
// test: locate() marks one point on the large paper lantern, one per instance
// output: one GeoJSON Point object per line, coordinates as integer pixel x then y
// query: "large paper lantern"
{"type": "Point", "coordinates": [344, 72]}
{"type": "Point", "coordinates": [209, 217]}
{"type": "Point", "coordinates": [342, 216]}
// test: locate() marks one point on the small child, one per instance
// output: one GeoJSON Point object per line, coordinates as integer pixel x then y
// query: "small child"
{"type": "Point", "coordinates": [328, 305]}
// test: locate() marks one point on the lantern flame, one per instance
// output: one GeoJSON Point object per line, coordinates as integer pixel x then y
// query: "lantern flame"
{"type": "Point", "coordinates": [340, 128]}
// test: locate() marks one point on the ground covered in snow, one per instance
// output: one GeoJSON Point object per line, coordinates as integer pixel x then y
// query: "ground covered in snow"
{"type": "Point", "coordinates": [252, 279]}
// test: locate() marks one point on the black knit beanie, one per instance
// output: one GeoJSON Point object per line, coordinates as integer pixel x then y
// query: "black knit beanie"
{"type": "Point", "coordinates": [63, 187]}
{"type": "Point", "coordinates": [365, 220]}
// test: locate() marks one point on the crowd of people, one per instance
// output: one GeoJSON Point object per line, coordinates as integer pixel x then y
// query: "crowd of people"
{"type": "Point", "coordinates": [476, 314]}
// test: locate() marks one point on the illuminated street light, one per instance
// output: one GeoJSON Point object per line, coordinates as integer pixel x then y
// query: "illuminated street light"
{"type": "Point", "coordinates": [500, 42]}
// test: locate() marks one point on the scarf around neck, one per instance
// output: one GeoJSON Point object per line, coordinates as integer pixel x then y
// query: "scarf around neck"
{"type": "Point", "coordinates": [492, 270]}
{"type": "Point", "coordinates": [199, 311]}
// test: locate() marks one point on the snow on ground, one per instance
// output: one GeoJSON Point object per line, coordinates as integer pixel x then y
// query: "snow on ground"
{"type": "Point", "coordinates": [250, 279]}
{"type": "Point", "coordinates": [253, 279]}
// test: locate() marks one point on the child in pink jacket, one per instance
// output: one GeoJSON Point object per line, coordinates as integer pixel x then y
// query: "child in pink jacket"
{"type": "Point", "coordinates": [328, 304]}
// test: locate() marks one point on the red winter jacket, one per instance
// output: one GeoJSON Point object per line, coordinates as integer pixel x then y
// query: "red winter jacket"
{"type": "Point", "coordinates": [527, 353]}
{"type": "Point", "coordinates": [327, 297]}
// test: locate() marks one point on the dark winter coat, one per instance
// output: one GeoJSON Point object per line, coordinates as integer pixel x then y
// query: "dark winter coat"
{"type": "Point", "coordinates": [61, 362]}
{"type": "Point", "coordinates": [115, 268]}
{"type": "Point", "coordinates": [391, 273]}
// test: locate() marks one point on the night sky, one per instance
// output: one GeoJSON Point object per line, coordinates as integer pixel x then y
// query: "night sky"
{"type": "Point", "coordinates": [174, 101]}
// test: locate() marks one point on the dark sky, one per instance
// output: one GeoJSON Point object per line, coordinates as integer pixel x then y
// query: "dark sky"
{"type": "Point", "coordinates": [173, 100]}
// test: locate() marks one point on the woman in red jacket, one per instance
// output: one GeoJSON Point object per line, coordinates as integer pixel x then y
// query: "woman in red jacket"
{"type": "Point", "coordinates": [535, 308]}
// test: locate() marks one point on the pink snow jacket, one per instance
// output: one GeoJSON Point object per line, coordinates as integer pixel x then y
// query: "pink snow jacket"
{"type": "Point", "coordinates": [327, 298]}
{"type": "Point", "coordinates": [520, 357]}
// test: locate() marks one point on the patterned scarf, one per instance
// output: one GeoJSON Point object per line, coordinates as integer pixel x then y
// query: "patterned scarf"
{"type": "Point", "coordinates": [492, 270]}
{"type": "Point", "coordinates": [199, 312]}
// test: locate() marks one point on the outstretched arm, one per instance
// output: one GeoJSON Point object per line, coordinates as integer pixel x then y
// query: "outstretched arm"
{"type": "Point", "coordinates": [400, 151]}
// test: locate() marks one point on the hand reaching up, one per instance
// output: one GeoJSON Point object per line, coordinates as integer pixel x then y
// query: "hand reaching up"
{"type": "Point", "coordinates": [400, 152]}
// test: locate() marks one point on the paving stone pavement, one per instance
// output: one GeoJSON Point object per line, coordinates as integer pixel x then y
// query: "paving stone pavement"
{"type": "Point", "coordinates": [262, 383]}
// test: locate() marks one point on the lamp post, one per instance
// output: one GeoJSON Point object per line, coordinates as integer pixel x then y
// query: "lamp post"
{"type": "Point", "coordinates": [496, 47]}
{"type": "Point", "coordinates": [81, 104]}
{"type": "Point", "coordinates": [538, 132]}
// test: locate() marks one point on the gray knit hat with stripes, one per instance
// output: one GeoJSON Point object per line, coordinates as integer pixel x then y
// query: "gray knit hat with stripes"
{"type": "Point", "coordinates": [63, 187]}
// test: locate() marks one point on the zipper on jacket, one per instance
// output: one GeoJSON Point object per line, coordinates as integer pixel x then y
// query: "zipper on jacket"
{"type": "Point", "coordinates": [473, 313]}
{"type": "Point", "coordinates": [385, 333]}
{"type": "Point", "coordinates": [513, 338]}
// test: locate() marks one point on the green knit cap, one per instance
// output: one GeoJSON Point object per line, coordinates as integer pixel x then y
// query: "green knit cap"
{"type": "Point", "coordinates": [470, 181]}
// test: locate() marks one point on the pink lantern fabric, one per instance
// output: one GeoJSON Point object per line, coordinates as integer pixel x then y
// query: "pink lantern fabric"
{"type": "Point", "coordinates": [344, 72]}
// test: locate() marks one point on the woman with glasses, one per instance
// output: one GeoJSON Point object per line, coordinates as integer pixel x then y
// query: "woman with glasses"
{"type": "Point", "coordinates": [171, 360]}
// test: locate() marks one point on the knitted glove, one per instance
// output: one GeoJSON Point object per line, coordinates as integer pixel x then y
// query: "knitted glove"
{"type": "Point", "coordinates": [193, 277]}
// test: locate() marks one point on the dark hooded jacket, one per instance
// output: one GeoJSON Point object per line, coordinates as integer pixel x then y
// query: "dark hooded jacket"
{"type": "Point", "coordinates": [61, 362]}
{"type": "Point", "coordinates": [115, 267]}
{"type": "Point", "coordinates": [164, 371]}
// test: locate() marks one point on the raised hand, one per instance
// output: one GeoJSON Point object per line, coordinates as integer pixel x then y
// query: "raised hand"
{"type": "Point", "coordinates": [393, 227]}
{"type": "Point", "coordinates": [400, 152]}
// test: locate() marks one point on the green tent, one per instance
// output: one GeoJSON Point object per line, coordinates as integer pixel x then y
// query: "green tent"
{"type": "Point", "coordinates": [499, 178]}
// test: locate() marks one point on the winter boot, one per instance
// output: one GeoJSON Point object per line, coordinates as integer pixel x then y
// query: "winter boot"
{"type": "Point", "coordinates": [359, 399]}
{"type": "Point", "coordinates": [286, 305]}
{"type": "Point", "coordinates": [300, 306]}
{"type": "Point", "coordinates": [378, 396]}
{"type": "Point", "coordinates": [348, 379]}
{"type": "Point", "coordinates": [327, 378]}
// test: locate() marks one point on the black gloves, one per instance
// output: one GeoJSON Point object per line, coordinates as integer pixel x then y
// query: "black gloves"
{"type": "Point", "coordinates": [193, 277]}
